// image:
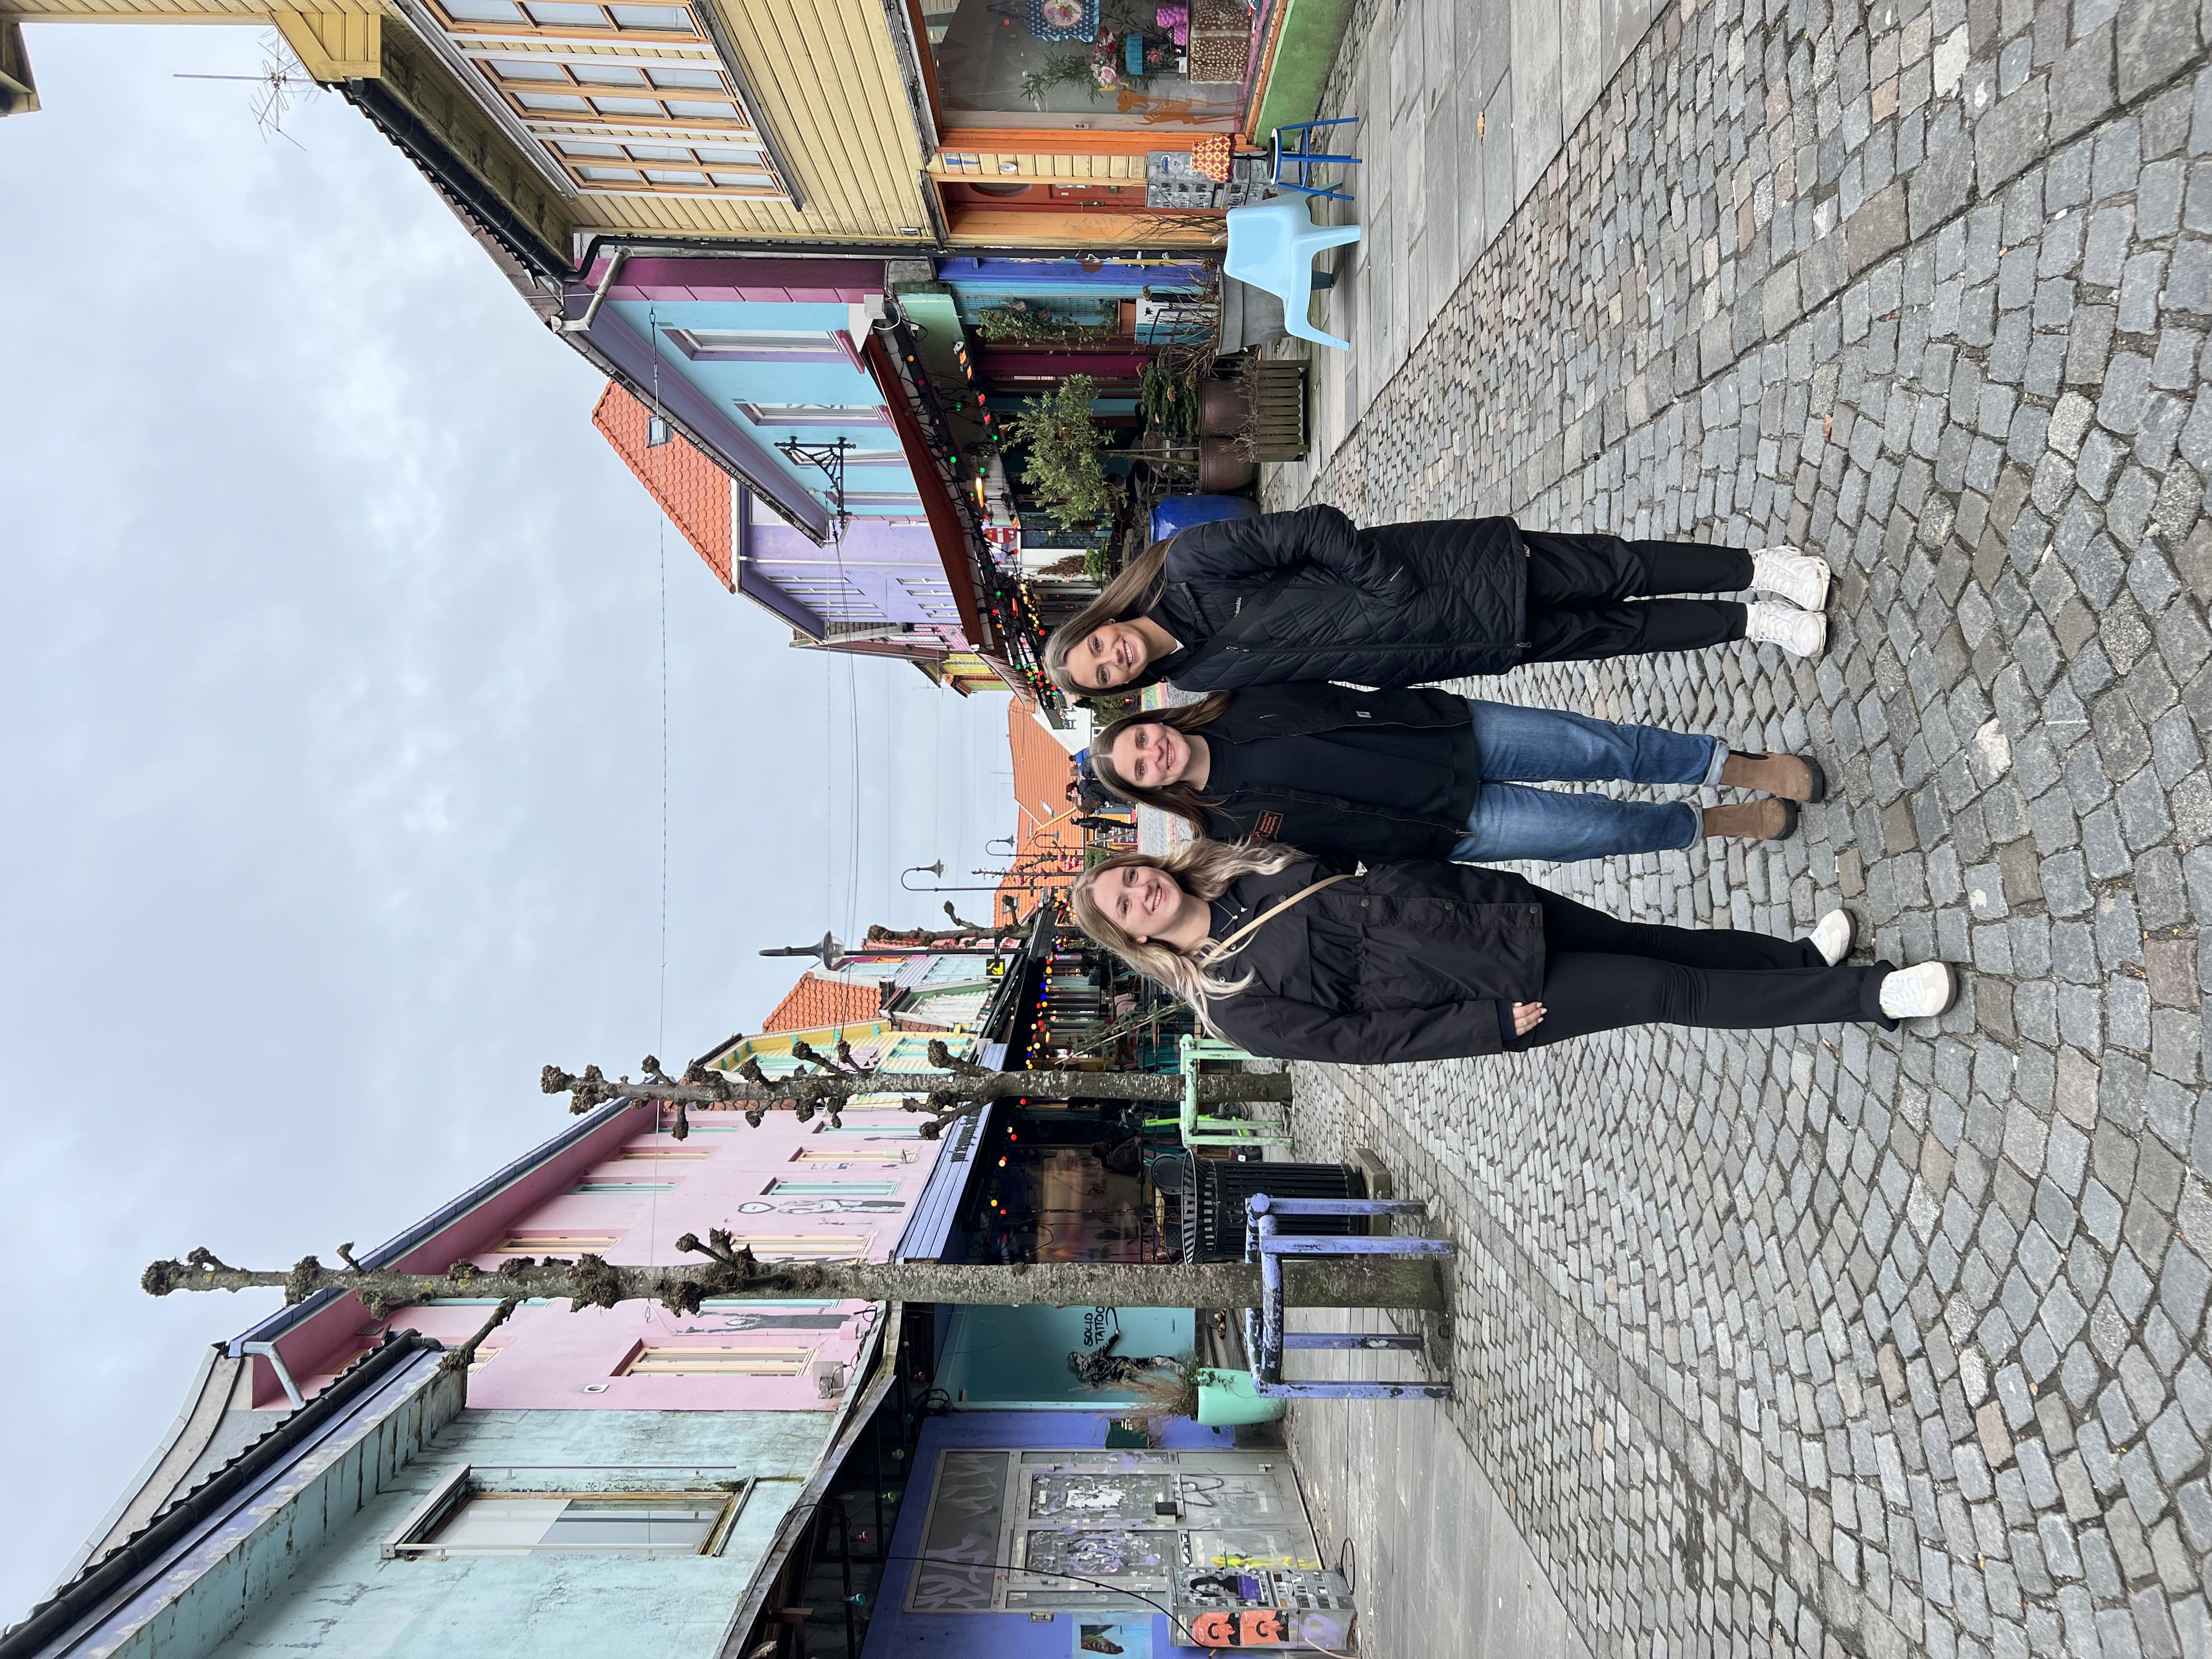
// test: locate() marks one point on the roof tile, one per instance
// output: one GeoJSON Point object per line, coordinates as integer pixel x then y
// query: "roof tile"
{"type": "Point", "coordinates": [691, 490]}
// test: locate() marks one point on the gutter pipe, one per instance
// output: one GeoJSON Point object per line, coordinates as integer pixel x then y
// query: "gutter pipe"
{"type": "Point", "coordinates": [583, 324]}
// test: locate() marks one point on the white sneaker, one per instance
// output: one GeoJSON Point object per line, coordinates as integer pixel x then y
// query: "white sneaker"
{"type": "Point", "coordinates": [1831, 937]}
{"type": "Point", "coordinates": [1919, 993]}
{"type": "Point", "coordinates": [1800, 633]}
{"type": "Point", "coordinates": [1800, 578]}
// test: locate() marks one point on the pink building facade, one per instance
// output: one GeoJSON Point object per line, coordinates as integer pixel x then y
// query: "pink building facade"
{"type": "Point", "coordinates": [626, 1190]}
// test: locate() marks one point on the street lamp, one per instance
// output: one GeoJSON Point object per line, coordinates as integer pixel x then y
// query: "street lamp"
{"type": "Point", "coordinates": [831, 950]}
{"type": "Point", "coordinates": [938, 869]}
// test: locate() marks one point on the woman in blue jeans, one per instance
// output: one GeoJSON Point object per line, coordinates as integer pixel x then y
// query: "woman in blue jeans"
{"type": "Point", "coordinates": [1386, 775]}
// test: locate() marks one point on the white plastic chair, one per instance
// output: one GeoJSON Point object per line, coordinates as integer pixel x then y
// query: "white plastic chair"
{"type": "Point", "coordinates": [1272, 246]}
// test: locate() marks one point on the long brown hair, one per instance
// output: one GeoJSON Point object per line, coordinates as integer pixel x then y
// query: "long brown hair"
{"type": "Point", "coordinates": [1204, 869]}
{"type": "Point", "coordinates": [1178, 797]}
{"type": "Point", "coordinates": [1132, 593]}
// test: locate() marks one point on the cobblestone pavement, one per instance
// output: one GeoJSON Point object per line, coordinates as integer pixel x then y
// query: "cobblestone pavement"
{"type": "Point", "coordinates": [1832, 1340]}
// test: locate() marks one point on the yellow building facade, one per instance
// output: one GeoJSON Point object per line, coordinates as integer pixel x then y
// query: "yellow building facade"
{"type": "Point", "coordinates": [746, 120]}
{"type": "Point", "coordinates": [807, 124]}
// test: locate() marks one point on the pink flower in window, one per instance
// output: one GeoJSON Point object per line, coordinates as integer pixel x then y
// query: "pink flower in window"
{"type": "Point", "coordinates": [1063, 14]}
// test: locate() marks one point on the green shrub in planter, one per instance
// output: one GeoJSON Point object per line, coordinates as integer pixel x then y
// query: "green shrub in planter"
{"type": "Point", "coordinates": [1064, 443]}
{"type": "Point", "coordinates": [1168, 403]}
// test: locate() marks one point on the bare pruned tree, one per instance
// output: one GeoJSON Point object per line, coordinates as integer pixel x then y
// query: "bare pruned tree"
{"type": "Point", "coordinates": [731, 1270]}
{"type": "Point", "coordinates": [959, 1089]}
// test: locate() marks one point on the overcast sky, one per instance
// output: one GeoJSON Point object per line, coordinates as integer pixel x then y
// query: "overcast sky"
{"type": "Point", "coordinates": [329, 637]}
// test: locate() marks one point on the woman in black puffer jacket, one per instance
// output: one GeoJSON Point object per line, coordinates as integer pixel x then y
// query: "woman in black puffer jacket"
{"type": "Point", "coordinates": [1429, 961]}
{"type": "Point", "coordinates": [1310, 596]}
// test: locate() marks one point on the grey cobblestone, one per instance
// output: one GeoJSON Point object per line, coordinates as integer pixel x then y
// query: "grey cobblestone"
{"type": "Point", "coordinates": [1896, 1340]}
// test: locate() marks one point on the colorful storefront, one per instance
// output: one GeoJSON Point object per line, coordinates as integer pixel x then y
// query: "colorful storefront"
{"type": "Point", "coordinates": [1037, 1535]}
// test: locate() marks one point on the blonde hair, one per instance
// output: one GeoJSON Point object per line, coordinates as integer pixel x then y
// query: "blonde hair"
{"type": "Point", "coordinates": [1132, 593]}
{"type": "Point", "coordinates": [1204, 869]}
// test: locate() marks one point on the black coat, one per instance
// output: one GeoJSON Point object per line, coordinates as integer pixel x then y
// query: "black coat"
{"type": "Point", "coordinates": [1407, 962]}
{"type": "Point", "coordinates": [1318, 820]}
{"type": "Point", "coordinates": [1394, 605]}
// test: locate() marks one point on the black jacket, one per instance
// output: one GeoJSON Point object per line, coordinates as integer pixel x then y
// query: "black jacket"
{"type": "Point", "coordinates": [1394, 605]}
{"type": "Point", "coordinates": [1319, 820]}
{"type": "Point", "coordinates": [1407, 962]}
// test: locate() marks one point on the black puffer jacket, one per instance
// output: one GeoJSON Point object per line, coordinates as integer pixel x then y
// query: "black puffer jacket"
{"type": "Point", "coordinates": [1407, 962]}
{"type": "Point", "coordinates": [1323, 817]}
{"type": "Point", "coordinates": [1394, 605]}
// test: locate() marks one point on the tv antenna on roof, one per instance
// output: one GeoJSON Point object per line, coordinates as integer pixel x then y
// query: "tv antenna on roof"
{"type": "Point", "coordinates": [283, 80]}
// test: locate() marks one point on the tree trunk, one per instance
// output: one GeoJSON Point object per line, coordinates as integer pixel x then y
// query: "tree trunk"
{"type": "Point", "coordinates": [1340, 1282]}
{"type": "Point", "coordinates": [961, 1089]}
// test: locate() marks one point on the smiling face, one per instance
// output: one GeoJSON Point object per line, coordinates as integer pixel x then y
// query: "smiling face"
{"type": "Point", "coordinates": [1141, 900]}
{"type": "Point", "coordinates": [1151, 757]}
{"type": "Point", "coordinates": [1111, 654]}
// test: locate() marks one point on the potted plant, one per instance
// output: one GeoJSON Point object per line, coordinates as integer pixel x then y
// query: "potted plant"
{"type": "Point", "coordinates": [1260, 407]}
{"type": "Point", "coordinates": [1168, 403]}
{"type": "Point", "coordinates": [1064, 445]}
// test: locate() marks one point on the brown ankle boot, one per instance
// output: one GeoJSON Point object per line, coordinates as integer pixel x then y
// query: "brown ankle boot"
{"type": "Point", "coordinates": [1793, 777]}
{"type": "Point", "coordinates": [1759, 820]}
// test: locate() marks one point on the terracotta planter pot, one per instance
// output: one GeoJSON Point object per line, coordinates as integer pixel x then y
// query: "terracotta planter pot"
{"type": "Point", "coordinates": [1221, 466]}
{"type": "Point", "coordinates": [1223, 409]}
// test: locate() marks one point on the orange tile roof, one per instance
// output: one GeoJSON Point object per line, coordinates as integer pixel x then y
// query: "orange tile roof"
{"type": "Point", "coordinates": [1044, 826]}
{"type": "Point", "coordinates": [691, 490]}
{"type": "Point", "coordinates": [818, 1001]}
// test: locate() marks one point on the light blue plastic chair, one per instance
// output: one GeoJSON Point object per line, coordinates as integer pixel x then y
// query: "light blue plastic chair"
{"type": "Point", "coordinates": [1272, 246]}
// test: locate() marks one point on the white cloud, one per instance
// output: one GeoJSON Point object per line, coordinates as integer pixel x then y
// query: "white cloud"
{"type": "Point", "coordinates": [329, 638]}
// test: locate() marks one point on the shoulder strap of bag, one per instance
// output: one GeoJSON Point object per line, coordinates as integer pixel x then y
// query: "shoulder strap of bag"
{"type": "Point", "coordinates": [1247, 617]}
{"type": "Point", "coordinates": [1215, 947]}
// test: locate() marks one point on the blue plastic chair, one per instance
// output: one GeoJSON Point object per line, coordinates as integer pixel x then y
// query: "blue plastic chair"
{"type": "Point", "coordinates": [1272, 246]}
{"type": "Point", "coordinates": [1305, 158]}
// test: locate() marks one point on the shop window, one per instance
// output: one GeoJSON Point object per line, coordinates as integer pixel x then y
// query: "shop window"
{"type": "Point", "coordinates": [1070, 60]}
{"type": "Point", "coordinates": [1089, 1529]}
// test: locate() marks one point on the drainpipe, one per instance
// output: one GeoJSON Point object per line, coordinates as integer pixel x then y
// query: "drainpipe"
{"type": "Point", "coordinates": [583, 324]}
{"type": "Point", "coordinates": [268, 1352]}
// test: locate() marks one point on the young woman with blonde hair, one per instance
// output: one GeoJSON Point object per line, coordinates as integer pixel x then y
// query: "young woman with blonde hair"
{"type": "Point", "coordinates": [1310, 596]}
{"type": "Point", "coordinates": [1430, 961]}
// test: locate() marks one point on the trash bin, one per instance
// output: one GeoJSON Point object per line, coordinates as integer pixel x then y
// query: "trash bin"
{"type": "Point", "coordinates": [1214, 1191]}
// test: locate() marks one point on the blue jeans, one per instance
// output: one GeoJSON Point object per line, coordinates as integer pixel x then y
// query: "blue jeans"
{"type": "Point", "coordinates": [1514, 746]}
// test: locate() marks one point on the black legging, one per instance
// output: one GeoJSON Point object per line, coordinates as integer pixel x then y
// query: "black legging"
{"type": "Point", "coordinates": [1601, 974]}
{"type": "Point", "coordinates": [1579, 586]}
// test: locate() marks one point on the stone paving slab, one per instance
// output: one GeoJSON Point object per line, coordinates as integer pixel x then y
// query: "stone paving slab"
{"type": "Point", "coordinates": [1832, 1340]}
{"type": "Point", "coordinates": [1439, 1565]}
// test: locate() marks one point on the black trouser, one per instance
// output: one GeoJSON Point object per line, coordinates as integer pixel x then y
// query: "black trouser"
{"type": "Point", "coordinates": [1601, 974]}
{"type": "Point", "coordinates": [1579, 587]}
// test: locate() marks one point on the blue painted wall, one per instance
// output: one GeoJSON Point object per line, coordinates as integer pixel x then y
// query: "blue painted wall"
{"type": "Point", "coordinates": [730, 383]}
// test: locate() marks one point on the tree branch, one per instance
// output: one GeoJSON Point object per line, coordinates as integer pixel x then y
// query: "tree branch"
{"type": "Point", "coordinates": [730, 1271]}
{"type": "Point", "coordinates": [466, 1356]}
{"type": "Point", "coordinates": [963, 1092]}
